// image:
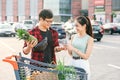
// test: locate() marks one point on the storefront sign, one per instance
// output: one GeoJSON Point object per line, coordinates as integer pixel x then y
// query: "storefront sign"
{"type": "Point", "coordinates": [99, 2]}
{"type": "Point", "coordinates": [99, 8]}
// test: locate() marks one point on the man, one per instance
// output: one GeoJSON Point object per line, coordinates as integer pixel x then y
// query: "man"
{"type": "Point", "coordinates": [41, 31]}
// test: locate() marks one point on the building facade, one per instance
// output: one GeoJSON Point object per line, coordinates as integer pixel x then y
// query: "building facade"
{"type": "Point", "coordinates": [18, 10]}
{"type": "Point", "coordinates": [79, 7]}
{"type": "Point", "coordinates": [104, 10]}
{"type": "Point", "coordinates": [61, 9]}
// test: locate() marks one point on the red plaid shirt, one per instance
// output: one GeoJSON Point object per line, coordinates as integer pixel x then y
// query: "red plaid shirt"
{"type": "Point", "coordinates": [39, 56]}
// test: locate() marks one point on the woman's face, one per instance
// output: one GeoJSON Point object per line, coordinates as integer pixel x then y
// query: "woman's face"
{"type": "Point", "coordinates": [79, 27]}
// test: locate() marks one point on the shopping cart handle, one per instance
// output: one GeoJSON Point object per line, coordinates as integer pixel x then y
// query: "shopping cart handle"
{"type": "Point", "coordinates": [12, 56]}
{"type": "Point", "coordinates": [12, 62]}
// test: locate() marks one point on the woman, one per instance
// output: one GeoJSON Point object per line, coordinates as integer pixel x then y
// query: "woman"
{"type": "Point", "coordinates": [81, 44]}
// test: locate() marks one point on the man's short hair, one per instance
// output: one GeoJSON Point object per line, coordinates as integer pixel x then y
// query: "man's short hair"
{"type": "Point", "coordinates": [45, 13]}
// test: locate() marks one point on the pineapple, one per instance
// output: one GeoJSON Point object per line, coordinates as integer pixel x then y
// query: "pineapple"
{"type": "Point", "coordinates": [23, 34]}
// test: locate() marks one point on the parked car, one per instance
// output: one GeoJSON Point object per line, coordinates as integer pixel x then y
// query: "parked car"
{"type": "Point", "coordinates": [97, 32]}
{"type": "Point", "coordinates": [112, 28]}
{"type": "Point", "coordinates": [68, 26]}
{"type": "Point", "coordinates": [58, 27]}
{"type": "Point", "coordinates": [17, 26]}
{"type": "Point", "coordinates": [29, 24]}
{"type": "Point", "coordinates": [71, 32]}
{"type": "Point", "coordinates": [6, 30]}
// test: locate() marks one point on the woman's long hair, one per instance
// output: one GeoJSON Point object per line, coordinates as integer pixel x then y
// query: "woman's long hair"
{"type": "Point", "coordinates": [85, 20]}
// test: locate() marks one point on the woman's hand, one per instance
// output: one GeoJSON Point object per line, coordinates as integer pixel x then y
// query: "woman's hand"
{"type": "Point", "coordinates": [60, 48]}
{"type": "Point", "coordinates": [70, 47]}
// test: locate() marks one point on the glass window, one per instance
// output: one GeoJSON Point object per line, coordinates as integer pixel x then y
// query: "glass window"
{"type": "Point", "coordinates": [33, 8]}
{"type": "Point", "coordinates": [0, 18]}
{"type": "Point", "coordinates": [21, 9]}
{"type": "Point", "coordinates": [65, 6]}
{"type": "Point", "coordinates": [0, 9]}
{"type": "Point", "coordinates": [116, 5]}
{"type": "Point", "coordinates": [9, 7]}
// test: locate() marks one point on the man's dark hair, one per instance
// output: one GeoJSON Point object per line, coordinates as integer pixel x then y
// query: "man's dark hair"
{"type": "Point", "coordinates": [45, 13]}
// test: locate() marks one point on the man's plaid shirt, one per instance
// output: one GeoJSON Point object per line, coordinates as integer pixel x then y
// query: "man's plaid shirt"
{"type": "Point", "coordinates": [39, 56]}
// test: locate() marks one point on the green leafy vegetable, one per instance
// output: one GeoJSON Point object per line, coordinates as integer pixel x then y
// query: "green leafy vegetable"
{"type": "Point", "coordinates": [65, 71]}
{"type": "Point", "coordinates": [23, 34]}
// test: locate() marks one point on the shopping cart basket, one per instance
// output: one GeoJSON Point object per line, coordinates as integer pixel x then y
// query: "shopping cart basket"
{"type": "Point", "coordinates": [28, 69]}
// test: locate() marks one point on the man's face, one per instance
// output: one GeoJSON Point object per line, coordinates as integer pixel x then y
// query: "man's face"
{"type": "Point", "coordinates": [47, 22]}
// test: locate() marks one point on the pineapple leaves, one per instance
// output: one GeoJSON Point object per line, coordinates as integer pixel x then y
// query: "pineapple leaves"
{"type": "Point", "coordinates": [23, 34]}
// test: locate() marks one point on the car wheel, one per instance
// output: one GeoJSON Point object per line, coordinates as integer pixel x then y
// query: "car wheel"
{"type": "Point", "coordinates": [14, 35]}
{"type": "Point", "coordinates": [9, 35]}
{"type": "Point", "coordinates": [99, 39]}
{"type": "Point", "coordinates": [111, 32]}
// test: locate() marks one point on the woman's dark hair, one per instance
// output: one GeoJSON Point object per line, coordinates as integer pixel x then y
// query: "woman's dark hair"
{"type": "Point", "coordinates": [85, 20]}
{"type": "Point", "coordinates": [45, 13]}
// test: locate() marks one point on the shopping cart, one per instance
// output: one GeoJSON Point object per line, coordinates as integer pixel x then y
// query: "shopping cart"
{"type": "Point", "coordinates": [28, 69]}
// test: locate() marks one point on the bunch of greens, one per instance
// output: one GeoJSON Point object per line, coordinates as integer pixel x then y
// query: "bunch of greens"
{"type": "Point", "coordinates": [65, 71]}
{"type": "Point", "coordinates": [23, 34]}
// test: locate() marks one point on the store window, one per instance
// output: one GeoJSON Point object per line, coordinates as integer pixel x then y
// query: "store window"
{"type": "Point", "coordinates": [33, 9]}
{"type": "Point", "coordinates": [21, 10]}
{"type": "Point", "coordinates": [0, 19]}
{"type": "Point", "coordinates": [9, 10]}
{"type": "Point", "coordinates": [116, 5]}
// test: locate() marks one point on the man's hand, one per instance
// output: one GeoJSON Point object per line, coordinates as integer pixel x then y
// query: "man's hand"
{"type": "Point", "coordinates": [59, 48]}
{"type": "Point", "coordinates": [31, 44]}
